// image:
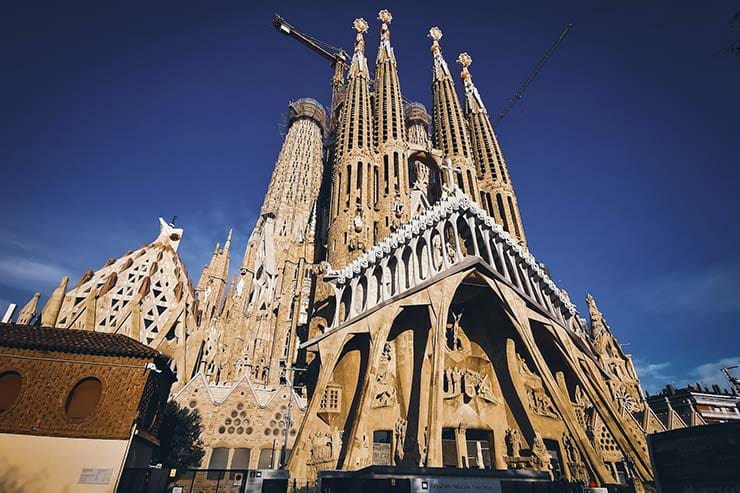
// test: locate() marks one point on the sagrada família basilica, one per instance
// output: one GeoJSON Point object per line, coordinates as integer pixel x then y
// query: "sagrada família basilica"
{"type": "Point", "coordinates": [387, 310]}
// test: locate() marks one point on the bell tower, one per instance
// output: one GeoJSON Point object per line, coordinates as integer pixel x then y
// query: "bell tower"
{"type": "Point", "coordinates": [390, 181]}
{"type": "Point", "coordinates": [497, 195]}
{"type": "Point", "coordinates": [350, 231]}
{"type": "Point", "coordinates": [450, 132]}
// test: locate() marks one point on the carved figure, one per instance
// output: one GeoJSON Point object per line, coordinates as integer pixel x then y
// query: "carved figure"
{"type": "Point", "coordinates": [335, 442]}
{"type": "Point", "coordinates": [363, 453]}
{"type": "Point", "coordinates": [523, 368]}
{"type": "Point", "coordinates": [397, 207]}
{"type": "Point", "coordinates": [514, 442]}
{"type": "Point", "coordinates": [540, 403]}
{"type": "Point", "coordinates": [540, 451]}
{"type": "Point", "coordinates": [385, 393]}
{"type": "Point", "coordinates": [357, 221]}
{"type": "Point", "coordinates": [451, 252]}
{"type": "Point", "coordinates": [423, 447]}
{"type": "Point", "coordinates": [571, 450]}
{"type": "Point", "coordinates": [399, 432]}
{"type": "Point", "coordinates": [454, 343]}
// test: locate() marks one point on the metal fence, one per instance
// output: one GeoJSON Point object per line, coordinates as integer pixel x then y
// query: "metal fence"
{"type": "Point", "coordinates": [148, 480]}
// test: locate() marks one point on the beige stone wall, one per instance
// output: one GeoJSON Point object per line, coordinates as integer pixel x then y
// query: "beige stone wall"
{"type": "Point", "coordinates": [54, 464]}
{"type": "Point", "coordinates": [246, 418]}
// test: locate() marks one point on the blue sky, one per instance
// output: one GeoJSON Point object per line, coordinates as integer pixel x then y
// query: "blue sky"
{"type": "Point", "coordinates": [624, 150]}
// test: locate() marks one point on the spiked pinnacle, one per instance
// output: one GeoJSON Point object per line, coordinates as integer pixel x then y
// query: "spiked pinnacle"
{"type": "Point", "coordinates": [359, 62]}
{"type": "Point", "coordinates": [473, 99]}
{"type": "Point", "coordinates": [441, 70]}
{"type": "Point", "coordinates": [385, 50]}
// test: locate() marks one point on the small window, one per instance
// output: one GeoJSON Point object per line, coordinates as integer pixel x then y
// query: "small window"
{"type": "Point", "coordinates": [10, 389]}
{"type": "Point", "coordinates": [83, 398]}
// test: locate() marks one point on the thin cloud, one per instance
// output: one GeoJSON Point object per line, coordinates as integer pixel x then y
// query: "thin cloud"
{"type": "Point", "coordinates": [711, 373]}
{"type": "Point", "coordinates": [654, 376]}
{"type": "Point", "coordinates": [693, 293]}
{"type": "Point", "coordinates": [210, 226]}
{"type": "Point", "coordinates": [34, 274]}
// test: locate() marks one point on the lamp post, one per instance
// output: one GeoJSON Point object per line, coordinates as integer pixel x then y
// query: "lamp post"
{"type": "Point", "coordinates": [288, 417]}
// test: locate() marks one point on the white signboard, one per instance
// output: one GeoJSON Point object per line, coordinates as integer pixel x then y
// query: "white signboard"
{"type": "Point", "coordinates": [95, 476]}
{"type": "Point", "coordinates": [456, 485]}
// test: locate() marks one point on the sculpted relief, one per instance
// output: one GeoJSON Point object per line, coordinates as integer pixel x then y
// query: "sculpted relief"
{"type": "Point", "coordinates": [325, 448]}
{"type": "Point", "coordinates": [384, 380]}
{"type": "Point", "coordinates": [537, 399]}
{"type": "Point", "coordinates": [468, 383]}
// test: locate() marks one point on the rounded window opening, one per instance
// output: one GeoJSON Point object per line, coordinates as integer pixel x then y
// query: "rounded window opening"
{"type": "Point", "coordinates": [83, 398]}
{"type": "Point", "coordinates": [10, 389]}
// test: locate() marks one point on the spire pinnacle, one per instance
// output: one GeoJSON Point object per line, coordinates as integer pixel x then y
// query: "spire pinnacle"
{"type": "Point", "coordinates": [385, 51]}
{"type": "Point", "coordinates": [227, 245]}
{"type": "Point", "coordinates": [475, 103]}
{"type": "Point", "coordinates": [441, 70]}
{"type": "Point", "coordinates": [359, 62]}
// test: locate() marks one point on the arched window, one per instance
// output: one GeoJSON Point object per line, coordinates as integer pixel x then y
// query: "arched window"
{"type": "Point", "coordinates": [83, 398]}
{"type": "Point", "coordinates": [10, 389]}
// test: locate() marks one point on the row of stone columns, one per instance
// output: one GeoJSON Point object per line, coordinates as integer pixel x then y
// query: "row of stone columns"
{"type": "Point", "coordinates": [428, 251]}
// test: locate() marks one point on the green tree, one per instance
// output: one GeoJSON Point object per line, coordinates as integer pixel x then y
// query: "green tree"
{"type": "Point", "coordinates": [180, 444]}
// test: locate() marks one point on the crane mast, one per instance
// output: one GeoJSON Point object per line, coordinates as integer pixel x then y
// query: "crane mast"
{"type": "Point", "coordinates": [734, 381]}
{"type": "Point", "coordinates": [336, 56]}
{"type": "Point", "coordinates": [519, 94]}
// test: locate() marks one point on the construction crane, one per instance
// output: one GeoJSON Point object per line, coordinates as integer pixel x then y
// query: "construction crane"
{"type": "Point", "coordinates": [735, 382]}
{"type": "Point", "coordinates": [338, 58]}
{"type": "Point", "coordinates": [519, 94]}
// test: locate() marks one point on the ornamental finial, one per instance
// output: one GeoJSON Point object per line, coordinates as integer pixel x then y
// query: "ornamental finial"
{"type": "Point", "coordinates": [385, 17]}
{"type": "Point", "coordinates": [465, 60]}
{"type": "Point", "coordinates": [360, 26]}
{"type": "Point", "coordinates": [435, 34]}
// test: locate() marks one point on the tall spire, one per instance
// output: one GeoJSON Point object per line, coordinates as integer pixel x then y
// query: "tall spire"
{"type": "Point", "coordinates": [450, 127]}
{"type": "Point", "coordinates": [351, 202]}
{"type": "Point", "coordinates": [496, 190]}
{"type": "Point", "coordinates": [28, 312]}
{"type": "Point", "coordinates": [441, 71]}
{"type": "Point", "coordinates": [50, 313]}
{"type": "Point", "coordinates": [358, 67]}
{"type": "Point", "coordinates": [212, 284]}
{"type": "Point", "coordinates": [390, 195]}
{"type": "Point", "coordinates": [227, 245]}
{"type": "Point", "coordinates": [385, 52]}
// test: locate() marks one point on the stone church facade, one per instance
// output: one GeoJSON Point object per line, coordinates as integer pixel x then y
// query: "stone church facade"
{"type": "Point", "coordinates": [387, 310]}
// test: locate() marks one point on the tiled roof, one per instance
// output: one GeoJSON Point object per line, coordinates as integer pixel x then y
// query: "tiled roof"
{"type": "Point", "coordinates": [72, 341]}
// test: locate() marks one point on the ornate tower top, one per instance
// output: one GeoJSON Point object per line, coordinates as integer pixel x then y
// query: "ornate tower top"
{"type": "Point", "coordinates": [385, 51]}
{"type": "Point", "coordinates": [473, 99]}
{"type": "Point", "coordinates": [359, 62]}
{"type": "Point", "coordinates": [441, 70]}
